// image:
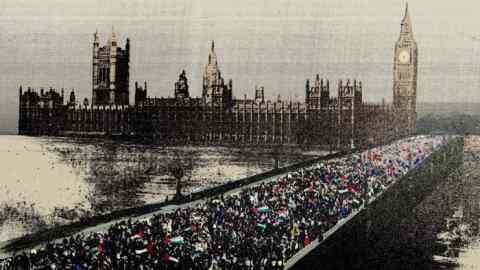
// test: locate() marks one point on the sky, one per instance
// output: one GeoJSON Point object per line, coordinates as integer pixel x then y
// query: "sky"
{"type": "Point", "coordinates": [277, 44]}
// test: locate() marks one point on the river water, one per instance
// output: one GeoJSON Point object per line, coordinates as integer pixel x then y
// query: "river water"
{"type": "Point", "coordinates": [51, 181]}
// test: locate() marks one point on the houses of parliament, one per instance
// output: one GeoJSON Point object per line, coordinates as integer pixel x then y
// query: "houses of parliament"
{"type": "Point", "coordinates": [216, 118]}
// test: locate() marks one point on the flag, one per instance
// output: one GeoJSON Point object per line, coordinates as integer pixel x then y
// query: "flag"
{"type": "Point", "coordinates": [93, 251]}
{"type": "Point", "coordinates": [283, 214]}
{"type": "Point", "coordinates": [306, 240]}
{"type": "Point", "coordinates": [263, 209]}
{"type": "Point", "coordinates": [169, 258]}
{"type": "Point", "coordinates": [141, 251]}
{"type": "Point", "coordinates": [138, 235]}
{"type": "Point", "coordinates": [177, 240]}
{"type": "Point", "coordinates": [100, 248]}
{"type": "Point", "coordinates": [342, 191]}
{"type": "Point", "coordinates": [262, 226]}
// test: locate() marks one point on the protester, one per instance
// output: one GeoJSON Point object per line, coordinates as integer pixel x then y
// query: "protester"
{"type": "Point", "coordinates": [258, 227]}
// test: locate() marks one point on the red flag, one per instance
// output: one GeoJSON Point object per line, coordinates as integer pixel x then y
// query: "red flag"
{"type": "Point", "coordinates": [138, 235]}
{"type": "Point", "coordinates": [100, 248]}
{"type": "Point", "coordinates": [306, 241]}
{"type": "Point", "coordinates": [169, 258]}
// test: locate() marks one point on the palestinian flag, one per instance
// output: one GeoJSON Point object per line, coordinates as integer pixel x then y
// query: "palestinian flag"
{"type": "Point", "coordinates": [282, 216]}
{"type": "Point", "coordinates": [138, 235]}
{"type": "Point", "coordinates": [262, 226]}
{"type": "Point", "coordinates": [95, 251]}
{"type": "Point", "coordinates": [262, 209]}
{"type": "Point", "coordinates": [191, 228]}
{"type": "Point", "coordinates": [147, 249]}
{"type": "Point", "coordinates": [282, 213]}
{"type": "Point", "coordinates": [177, 240]}
{"type": "Point", "coordinates": [169, 258]}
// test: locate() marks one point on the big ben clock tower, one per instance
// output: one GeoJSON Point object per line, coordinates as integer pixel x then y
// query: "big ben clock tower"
{"type": "Point", "coordinates": [405, 78]}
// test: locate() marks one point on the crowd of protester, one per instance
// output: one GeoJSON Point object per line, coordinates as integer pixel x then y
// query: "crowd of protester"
{"type": "Point", "coordinates": [258, 227]}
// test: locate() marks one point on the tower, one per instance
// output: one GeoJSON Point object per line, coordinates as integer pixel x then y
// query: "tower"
{"type": "Point", "coordinates": [259, 94]}
{"type": "Point", "coordinates": [110, 72]}
{"type": "Point", "coordinates": [317, 96]}
{"type": "Point", "coordinates": [349, 104]}
{"type": "Point", "coordinates": [215, 91]}
{"type": "Point", "coordinates": [181, 86]}
{"type": "Point", "coordinates": [405, 78]}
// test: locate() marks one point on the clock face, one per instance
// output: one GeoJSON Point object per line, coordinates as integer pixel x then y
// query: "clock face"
{"type": "Point", "coordinates": [404, 56]}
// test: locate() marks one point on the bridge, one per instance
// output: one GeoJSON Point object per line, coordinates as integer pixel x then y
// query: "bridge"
{"type": "Point", "coordinates": [367, 225]}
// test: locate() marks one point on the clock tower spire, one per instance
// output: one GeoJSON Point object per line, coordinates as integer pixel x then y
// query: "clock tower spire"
{"type": "Point", "coordinates": [405, 78]}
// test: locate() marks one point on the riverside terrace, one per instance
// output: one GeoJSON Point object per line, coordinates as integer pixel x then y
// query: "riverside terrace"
{"type": "Point", "coordinates": [259, 227]}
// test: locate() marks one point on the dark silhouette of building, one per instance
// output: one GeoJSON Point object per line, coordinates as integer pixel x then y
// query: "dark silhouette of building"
{"type": "Point", "coordinates": [340, 122]}
{"type": "Point", "coordinates": [110, 76]}
{"type": "Point", "coordinates": [181, 86]}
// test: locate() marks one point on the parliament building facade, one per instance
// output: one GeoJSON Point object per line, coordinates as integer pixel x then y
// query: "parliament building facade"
{"type": "Point", "coordinates": [216, 118]}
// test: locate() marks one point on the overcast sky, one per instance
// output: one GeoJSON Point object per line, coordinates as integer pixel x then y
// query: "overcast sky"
{"type": "Point", "coordinates": [277, 44]}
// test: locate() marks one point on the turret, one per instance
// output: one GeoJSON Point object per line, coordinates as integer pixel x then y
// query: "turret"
{"type": "Point", "coordinates": [96, 44]}
{"type": "Point", "coordinates": [181, 86]}
{"type": "Point", "coordinates": [259, 94]}
{"type": "Point", "coordinates": [113, 64]}
{"type": "Point", "coordinates": [72, 102]}
{"type": "Point", "coordinates": [95, 68]}
{"type": "Point", "coordinates": [317, 81]}
{"type": "Point", "coordinates": [307, 89]}
{"type": "Point", "coordinates": [127, 48]}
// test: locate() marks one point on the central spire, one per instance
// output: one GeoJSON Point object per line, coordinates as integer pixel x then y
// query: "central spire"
{"type": "Point", "coordinates": [212, 57]}
{"type": "Point", "coordinates": [113, 38]}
